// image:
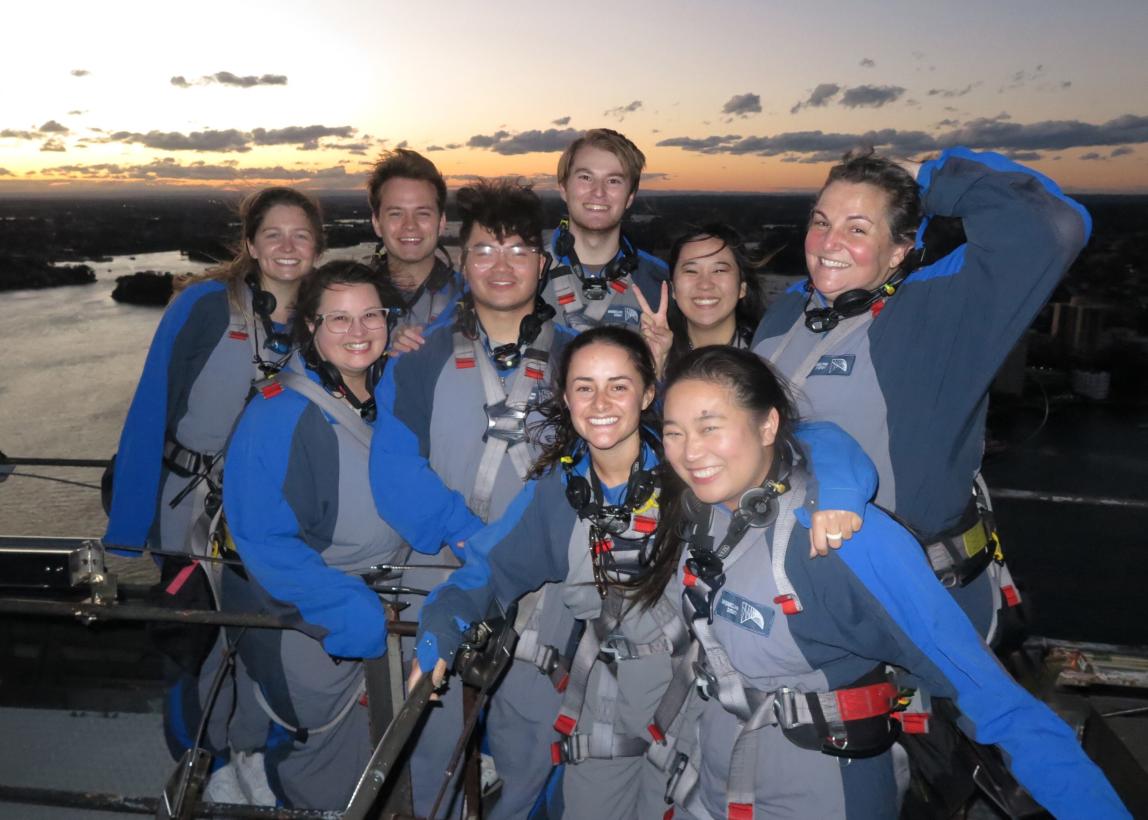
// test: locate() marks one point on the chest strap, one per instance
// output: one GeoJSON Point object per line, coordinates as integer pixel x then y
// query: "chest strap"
{"type": "Point", "coordinates": [604, 642]}
{"type": "Point", "coordinates": [505, 414]}
{"type": "Point", "coordinates": [334, 407]}
{"type": "Point", "coordinates": [847, 328]}
{"type": "Point", "coordinates": [568, 294]}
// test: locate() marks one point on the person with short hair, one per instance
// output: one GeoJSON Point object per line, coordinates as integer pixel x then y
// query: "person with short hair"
{"type": "Point", "coordinates": [407, 194]}
{"type": "Point", "coordinates": [450, 454]}
{"type": "Point", "coordinates": [596, 265]}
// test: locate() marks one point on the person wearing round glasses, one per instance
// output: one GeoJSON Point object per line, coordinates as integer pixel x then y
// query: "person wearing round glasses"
{"type": "Point", "coordinates": [298, 504]}
{"type": "Point", "coordinates": [452, 451]}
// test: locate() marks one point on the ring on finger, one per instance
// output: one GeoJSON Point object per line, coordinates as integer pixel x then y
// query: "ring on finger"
{"type": "Point", "coordinates": [834, 536]}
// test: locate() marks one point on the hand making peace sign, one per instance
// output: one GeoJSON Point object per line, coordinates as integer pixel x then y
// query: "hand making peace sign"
{"type": "Point", "coordinates": [655, 327]}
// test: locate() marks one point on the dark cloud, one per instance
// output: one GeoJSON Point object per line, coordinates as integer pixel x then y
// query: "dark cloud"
{"type": "Point", "coordinates": [1049, 135]}
{"type": "Point", "coordinates": [170, 169]}
{"type": "Point", "coordinates": [296, 134]}
{"type": "Point", "coordinates": [1091, 155]}
{"type": "Point", "coordinates": [53, 127]}
{"type": "Point", "coordinates": [867, 63]}
{"type": "Point", "coordinates": [453, 146]}
{"type": "Point", "coordinates": [4, 172]}
{"type": "Point", "coordinates": [742, 105]}
{"type": "Point", "coordinates": [483, 141]}
{"type": "Point", "coordinates": [223, 141]}
{"type": "Point", "coordinates": [1123, 150]}
{"type": "Point", "coordinates": [871, 96]}
{"type": "Point", "coordinates": [80, 72]}
{"type": "Point", "coordinates": [435, 148]}
{"type": "Point", "coordinates": [76, 113]}
{"type": "Point", "coordinates": [818, 98]}
{"type": "Point", "coordinates": [233, 80]}
{"type": "Point", "coordinates": [949, 93]}
{"type": "Point", "coordinates": [1024, 156]}
{"type": "Point", "coordinates": [947, 123]}
{"type": "Point", "coordinates": [401, 145]}
{"type": "Point", "coordinates": [1066, 84]}
{"type": "Point", "coordinates": [53, 145]}
{"type": "Point", "coordinates": [529, 142]}
{"type": "Point", "coordinates": [621, 111]}
{"type": "Point", "coordinates": [561, 122]}
{"type": "Point", "coordinates": [12, 134]}
{"type": "Point", "coordinates": [997, 133]}
{"type": "Point", "coordinates": [250, 81]}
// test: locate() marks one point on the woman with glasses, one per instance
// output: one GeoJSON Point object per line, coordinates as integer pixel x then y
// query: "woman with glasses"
{"type": "Point", "coordinates": [588, 519]}
{"type": "Point", "coordinates": [298, 506]}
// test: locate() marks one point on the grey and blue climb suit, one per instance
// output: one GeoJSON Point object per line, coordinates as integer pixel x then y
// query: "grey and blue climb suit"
{"type": "Point", "coordinates": [620, 307]}
{"type": "Point", "coordinates": [299, 507]}
{"type": "Point", "coordinates": [910, 381]}
{"type": "Point", "coordinates": [424, 461]}
{"type": "Point", "coordinates": [874, 600]}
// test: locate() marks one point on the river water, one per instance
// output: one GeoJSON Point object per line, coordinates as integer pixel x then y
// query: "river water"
{"type": "Point", "coordinates": [71, 357]}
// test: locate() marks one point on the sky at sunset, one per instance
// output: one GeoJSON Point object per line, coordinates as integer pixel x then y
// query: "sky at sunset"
{"type": "Point", "coordinates": [745, 95]}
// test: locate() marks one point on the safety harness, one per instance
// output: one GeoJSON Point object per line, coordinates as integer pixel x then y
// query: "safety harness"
{"type": "Point", "coordinates": [854, 721]}
{"type": "Point", "coordinates": [505, 413]}
{"type": "Point", "coordinates": [584, 300]}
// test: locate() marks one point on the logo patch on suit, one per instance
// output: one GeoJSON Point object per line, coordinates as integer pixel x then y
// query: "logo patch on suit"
{"type": "Point", "coordinates": [839, 365]}
{"type": "Point", "coordinates": [622, 315]}
{"type": "Point", "coordinates": [743, 612]}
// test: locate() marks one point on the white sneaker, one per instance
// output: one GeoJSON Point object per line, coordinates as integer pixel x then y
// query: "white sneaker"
{"type": "Point", "coordinates": [252, 772]}
{"type": "Point", "coordinates": [488, 775]}
{"type": "Point", "coordinates": [223, 786]}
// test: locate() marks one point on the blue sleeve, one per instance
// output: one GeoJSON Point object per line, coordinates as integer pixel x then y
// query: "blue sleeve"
{"type": "Point", "coordinates": [278, 498]}
{"type": "Point", "coordinates": [926, 632]}
{"type": "Point", "coordinates": [408, 494]}
{"type": "Point", "coordinates": [1022, 235]}
{"type": "Point", "coordinates": [139, 459]}
{"type": "Point", "coordinates": [846, 477]}
{"type": "Point", "coordinates": [504, 561]}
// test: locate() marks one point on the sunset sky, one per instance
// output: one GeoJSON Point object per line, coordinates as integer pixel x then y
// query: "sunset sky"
{"type": "Point", "coordinates": [724, 95]}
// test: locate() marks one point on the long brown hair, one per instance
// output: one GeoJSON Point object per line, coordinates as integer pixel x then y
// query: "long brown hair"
{"type": "Point", "coordinates": [252, 211]}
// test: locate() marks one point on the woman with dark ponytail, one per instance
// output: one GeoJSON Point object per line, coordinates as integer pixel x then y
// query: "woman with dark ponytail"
{"type": "Point", "coordinates": [793, 651]}
{"type": "Point", "coordinates": [587, 519]}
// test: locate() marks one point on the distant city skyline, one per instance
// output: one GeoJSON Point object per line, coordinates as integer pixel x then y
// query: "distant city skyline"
{"type": "Point", "coordinates": [731, 95]}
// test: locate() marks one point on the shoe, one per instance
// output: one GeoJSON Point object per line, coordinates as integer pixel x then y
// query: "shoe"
{"type": "Point", "coordinates": [252, 771]}
{"type": "Point", "coordinates": [223, 786]}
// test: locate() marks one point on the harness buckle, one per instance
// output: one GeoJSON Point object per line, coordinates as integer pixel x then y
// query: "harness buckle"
{"type": "Point", "coordinates": [705, 681]}
{"type": "Point", "coordinates": [594, 290]}
{"type": "Point", "coordinates": [785, 708]}
{"type": "Point", "coordinates": [677, 769]}
{"type": "Point", "coordinates": [617, 648]}
{"type": "Point", "coordinates": [505, 422]}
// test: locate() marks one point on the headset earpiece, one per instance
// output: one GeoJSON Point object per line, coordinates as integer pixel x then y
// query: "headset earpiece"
{"type": "Point", "coordinates": [564, 242]}
{"type": "Point", "coordinates": [374, 373]}
{"type": "Point", "coordinates": [758, 506]}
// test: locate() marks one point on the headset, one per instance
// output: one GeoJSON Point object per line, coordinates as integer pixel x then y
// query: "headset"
{"type": "Point", "coordinates": [848, 304]}
{"type": "Point", "coordinates": [582, 492]}
{"type": "Point", "coordinates": [264, 303]}
{"type": "Point", "coordinates": [509, 355]}
{"type": "Point", "coordinates": [594, 286]}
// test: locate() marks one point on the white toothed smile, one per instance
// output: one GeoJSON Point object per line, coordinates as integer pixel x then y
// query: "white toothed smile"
{"type": "Point", "coordinates": [604, 422]}
{"type": "Point", "coordinates": [704, 303]}
{"type": "Point", "coordinates": [286, 262]}
{"type": "Point", "coordinates": [704, 473]}
{"type": "Point", "coordinates": [831, 263]}
{"type": "Point", "coordinates": [357, 346]}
